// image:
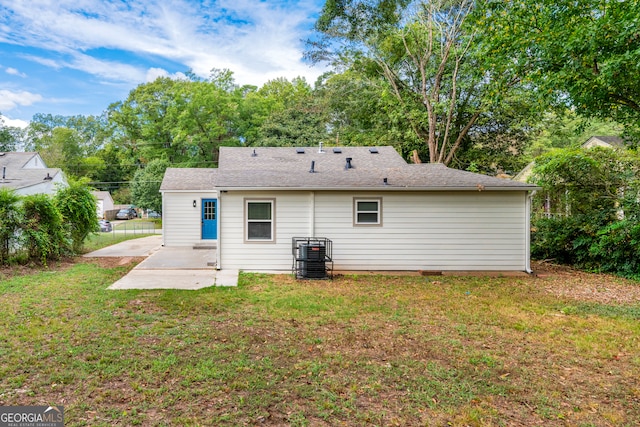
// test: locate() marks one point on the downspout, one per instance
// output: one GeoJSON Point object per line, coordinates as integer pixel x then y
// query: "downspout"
{"type": "Point", "coordinates": [527, 233]}
{"type": "Point", "coordinates": [164, 233]}
{"type": "Point", "coordinates": [219, 227]}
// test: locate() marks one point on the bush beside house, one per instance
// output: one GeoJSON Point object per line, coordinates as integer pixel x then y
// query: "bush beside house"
{"type": "Point", "coordinates": [39, 227]}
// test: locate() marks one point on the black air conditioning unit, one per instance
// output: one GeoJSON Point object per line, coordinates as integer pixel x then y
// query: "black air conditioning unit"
{"type": "Point", "coordinates": [312, 257]}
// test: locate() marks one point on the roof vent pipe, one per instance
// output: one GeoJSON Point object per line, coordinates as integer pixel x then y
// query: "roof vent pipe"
{"type": "Point", "coordinates": [313, 166]}
{"type": "Point", "coordinates": [4, 172]}
{"type": "Point", "coordinates": [320, 150]}
{"type": "Point", "coordinates": [348, 165]}
{"type": "Point", "coordinates": [254, 154]}
{"type": "Point", "coordinates": [48, 177]}
{"type": "Point", "coordinates": [386, 181]}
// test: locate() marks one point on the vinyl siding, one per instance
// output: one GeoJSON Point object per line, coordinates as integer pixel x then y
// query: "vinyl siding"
{"type": "Point", "coordinates": [292, 218]}
{"type": "Point", "coordinates": [181, 222]}
{"type": "Point", "coordinates": [428, 231]}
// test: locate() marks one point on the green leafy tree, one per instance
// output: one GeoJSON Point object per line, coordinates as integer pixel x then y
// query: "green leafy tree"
{"type": "Point", "coordinates": [281, 112]}
{"type": "Point", "coordinates": [302, 123]}
{"type": "Point", "coordinates": [568, 130]}
{"type": "Point", "coordinates": [589, 182]}
{"type": "Point", "coordinates": [145, 187]}
{"type": "Point", "coordinates": [587, 213]}
{"type": "Point", "coordinates": [10, 220]}
{"type": "Point", "coordinates": [184, 120]}
{"type": "Point", "coordinates": [582, 53]}
{"type": "Point", "coordinates": [78, 209]}
{"type": "Point", "coordinates": [361, 110]}
{"type": "Point", "coordinates": [430, 54]}
{"type": "Point", "coordinates": [71, 143]}
{"type": "Point", "coordinates": [9, 137]}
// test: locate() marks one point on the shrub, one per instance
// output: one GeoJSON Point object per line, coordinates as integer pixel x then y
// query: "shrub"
{"type": "Point", "coordinates": [10, 219]}
{"type": "Point", "coordinates": [553, 238]}
{"type": "Point", "coordinates": [42, 228]}
{"type": "Point", "coordinates": [77, 206]}
{"type": "Point", "coordinates": [616, 248]}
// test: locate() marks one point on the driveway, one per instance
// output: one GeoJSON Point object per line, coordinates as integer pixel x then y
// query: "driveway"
{"type": "Point", "coordinates": [167, 267]}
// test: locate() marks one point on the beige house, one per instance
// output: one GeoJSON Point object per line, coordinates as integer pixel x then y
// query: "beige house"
{"type": "Point", "coordinates": [26, 173]}
{"type": "Point", "coordinates": [378, 211]}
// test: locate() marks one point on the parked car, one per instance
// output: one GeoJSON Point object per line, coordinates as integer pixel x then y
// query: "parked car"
{"type": "Point", "coordinates": [153, 214]}
{"type": "Point", "coordinates": [126, 213]}
{"type": "Point", "coordinates": [105, 226]}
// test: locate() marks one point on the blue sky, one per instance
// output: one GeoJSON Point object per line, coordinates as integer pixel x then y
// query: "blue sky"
{"type": "Point", "coordinates": [73, 57]}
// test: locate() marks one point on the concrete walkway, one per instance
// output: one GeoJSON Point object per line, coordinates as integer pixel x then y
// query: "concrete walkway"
{"type": "Point", "coordinates": [167, 267]}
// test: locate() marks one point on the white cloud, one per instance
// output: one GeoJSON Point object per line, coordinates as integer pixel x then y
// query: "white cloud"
{"type": "Point", "coordinates": [154, 73]}
{"type": "Point", "coordinates": [258, 41]}
{"type": "Point", "coordinates": [14, 72]}
{"type": "Point", "coordinates": [10, 100]}
{"type": "Point", "coordinates": [47, 62]}
{"type": "Point", "coordinates": [15, 123]}
{"type": "Point", "coordinates": [109, 70]}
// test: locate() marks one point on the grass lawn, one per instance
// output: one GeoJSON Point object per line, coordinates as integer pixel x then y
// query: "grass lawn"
{"type": "Point", "coordinates": [140, 224]}
{"type": "Point", "coordinates": [558, 350]}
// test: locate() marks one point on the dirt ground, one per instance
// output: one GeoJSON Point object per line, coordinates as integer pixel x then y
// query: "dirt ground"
{"type": "Point", "coordinates": [564, 281]}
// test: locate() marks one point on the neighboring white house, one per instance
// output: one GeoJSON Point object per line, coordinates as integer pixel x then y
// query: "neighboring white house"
{"type": "Point", "coordinates": [104, 202]}
{"type": "Point", "coordinates": [379, 212]}
{"type": "Point", "coordinates": [27, 173]}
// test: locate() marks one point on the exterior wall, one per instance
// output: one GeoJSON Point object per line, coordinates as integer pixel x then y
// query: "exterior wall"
{"type": "Point", "coordinates": [35, 162]}
{"type": "Point", "coordinates": [100, 208]}
{"type": "Point", "coordinates": [419, 231]}
{"type": "Point", "coordinates": [107, 204]}
{"type": "Point", "coordinates": [181, 222]}
{"type": "Point", "coordinates": [435, 231]}
{"type": "Point", "coordinates": [45, 187]}
{"type": "Point", "coordinates": [292, 219]}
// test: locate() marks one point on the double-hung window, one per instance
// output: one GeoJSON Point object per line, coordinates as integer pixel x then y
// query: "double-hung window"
{"type": "Point", "coordinates": [259, 220]}
{"type": "Point", "coordinates": [367, 211]}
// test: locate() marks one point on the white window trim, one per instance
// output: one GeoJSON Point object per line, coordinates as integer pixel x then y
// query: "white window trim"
{"type": "Point", "coordinates": [272, 220]}
{"type": "Point", "coordinates": [378, 200]}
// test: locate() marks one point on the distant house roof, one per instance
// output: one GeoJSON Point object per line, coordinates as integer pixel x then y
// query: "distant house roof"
{"type": "Point", "coordinates": [604, 141]}
{"type": "Point", "coordinates": [22, 170]}
{"type": "Point", "coordinates": [290, 168]}
{"type": "Point", "coordinates": [102, 195]}
{"type": "Point", "coordinates": [184, 179]}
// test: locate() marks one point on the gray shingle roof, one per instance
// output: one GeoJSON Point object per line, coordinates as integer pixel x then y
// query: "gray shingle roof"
{"type": "Point", "coordinates": [16, 176]}
{"type": "Point", "coordinates": [285, 168]}
{"type": "Point", "coordinates": [177, 179]}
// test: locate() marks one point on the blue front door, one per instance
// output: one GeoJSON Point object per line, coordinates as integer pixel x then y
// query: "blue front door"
{"type": "Point", "coordinates": [209, 218]}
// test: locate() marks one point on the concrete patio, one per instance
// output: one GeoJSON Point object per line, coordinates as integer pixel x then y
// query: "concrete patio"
{"type": "Point", "coordinates": [167, 267]}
